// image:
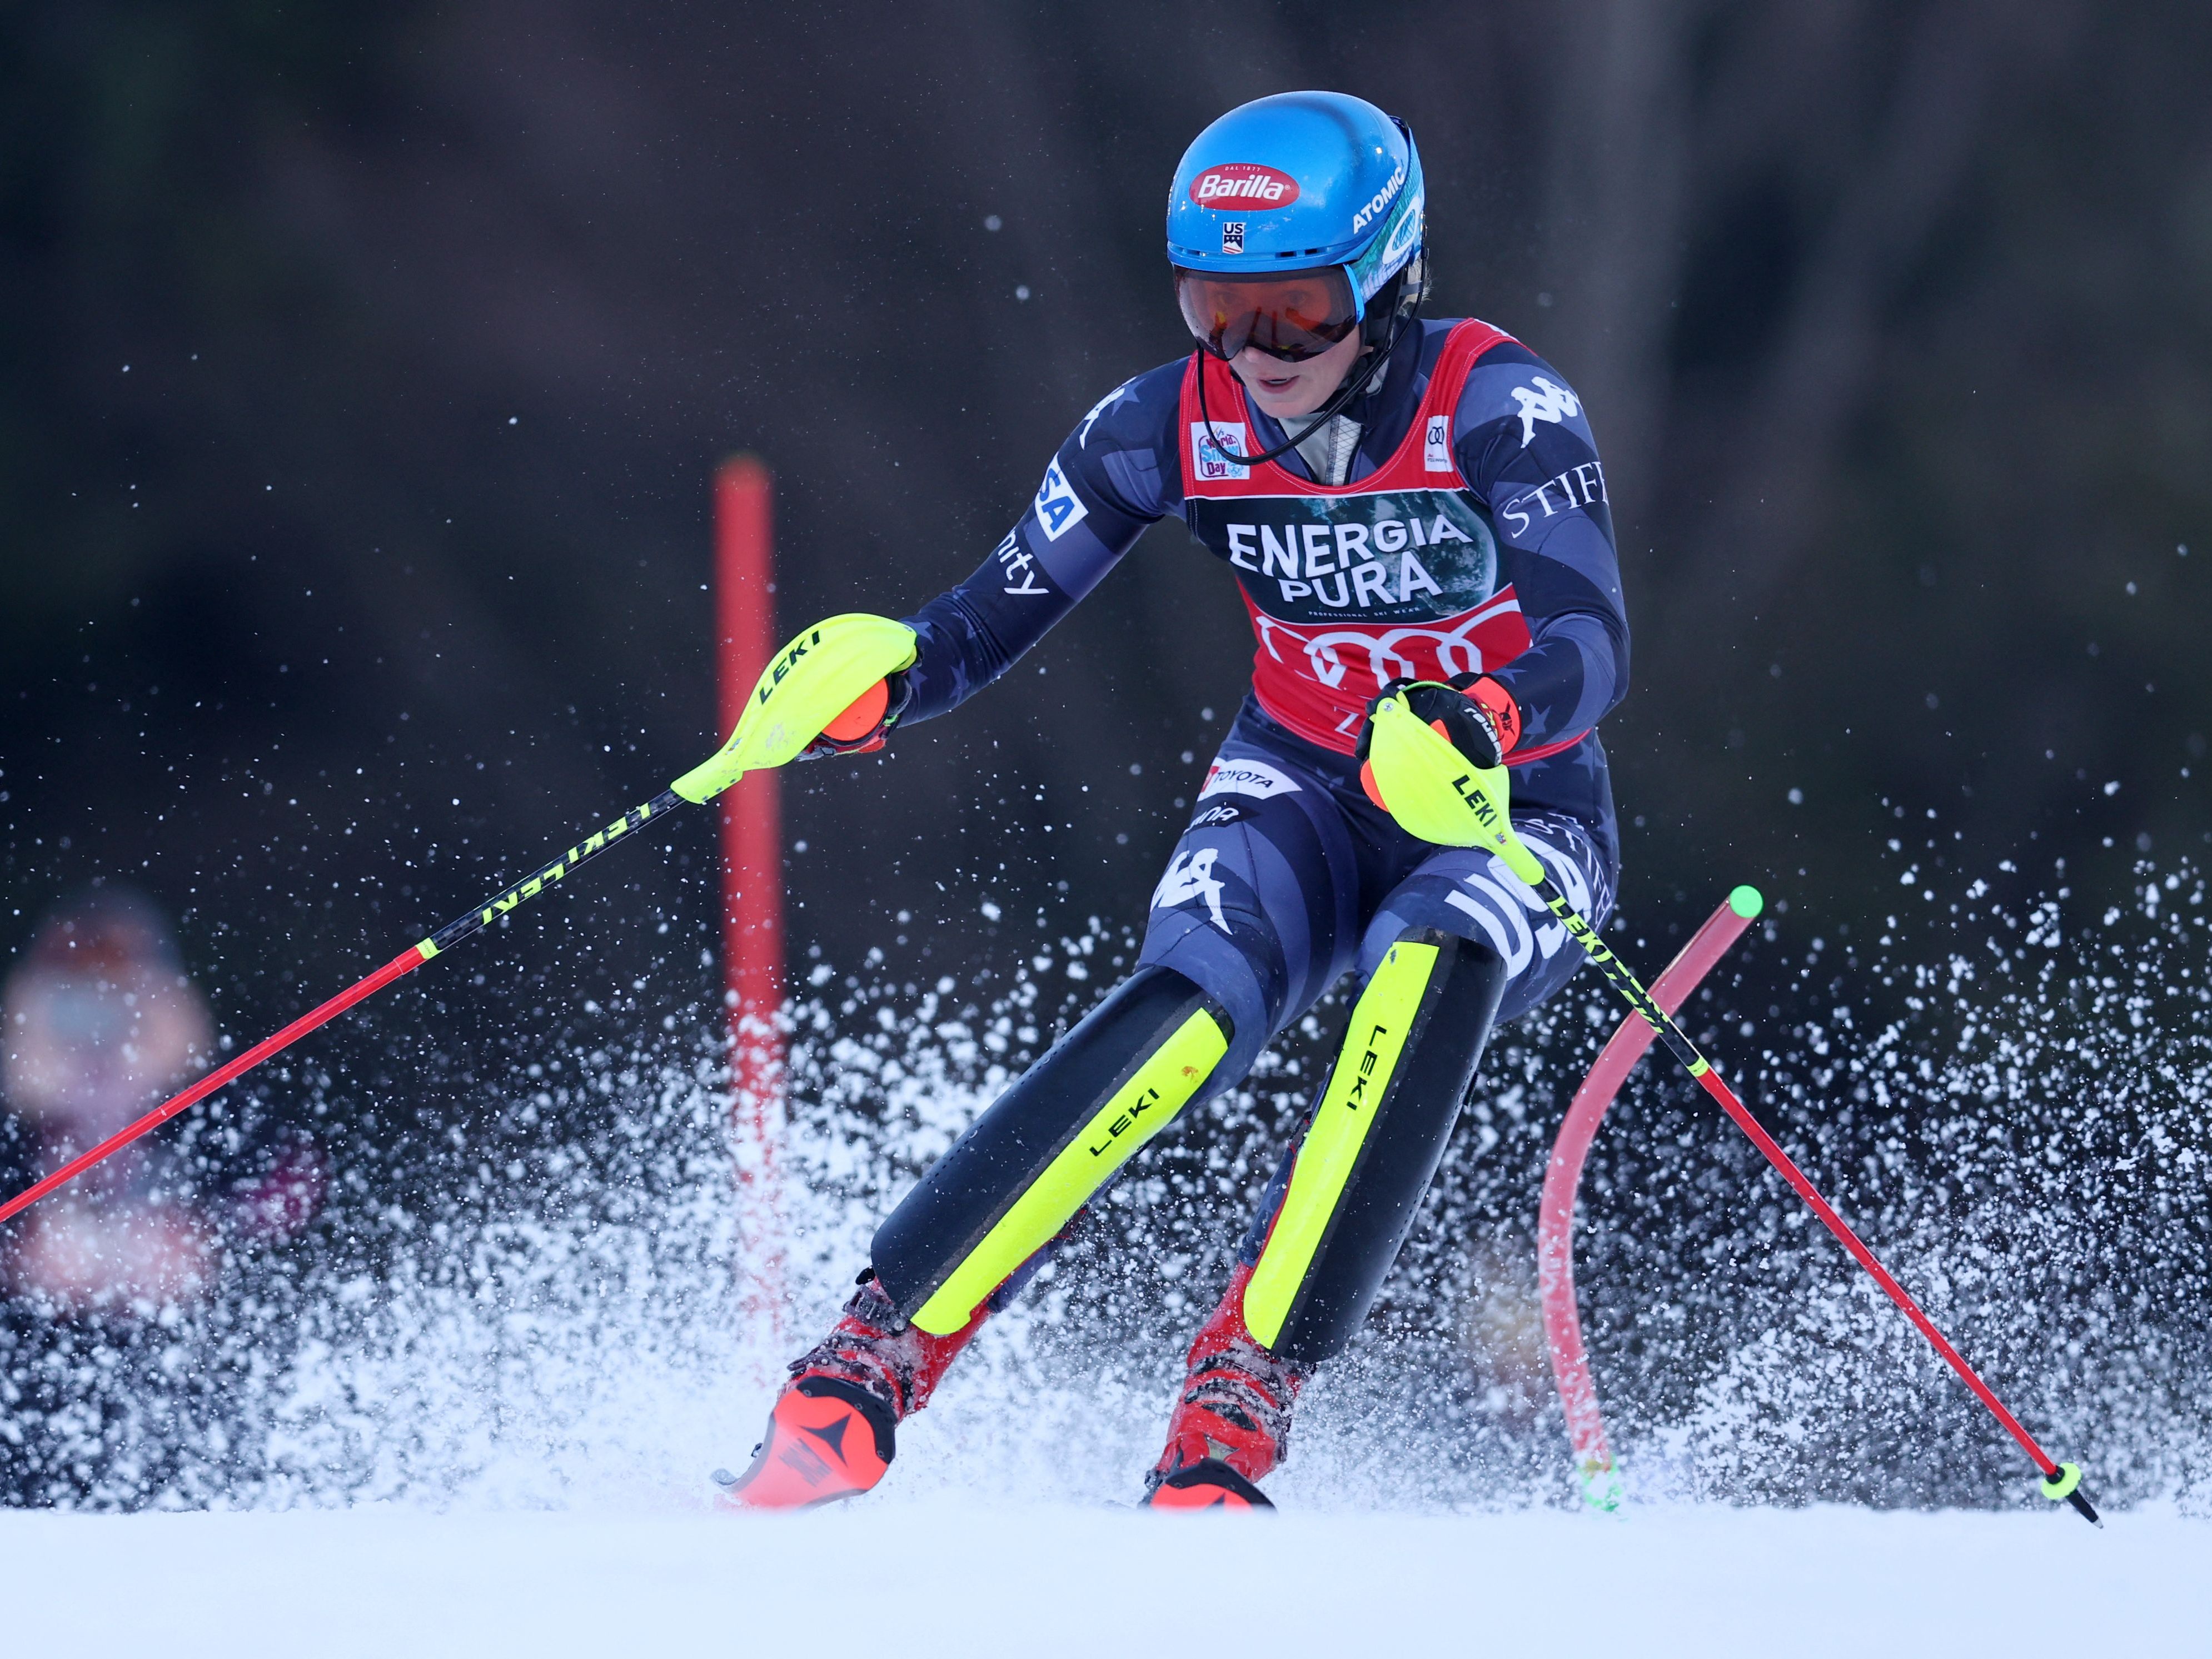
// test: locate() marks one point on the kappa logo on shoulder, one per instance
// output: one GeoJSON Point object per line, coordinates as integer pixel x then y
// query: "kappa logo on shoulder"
{"type": "Point", "coordinates": [1543, 401]}
{"type": "Point", "coordinates": [1217, 449]}
{"type": "Point", "coordinates": [1246, 777]}
{"type": "Point", "coordinates": [1059, 509]}
{"type": "Point", "coordinates": [1117, 396]}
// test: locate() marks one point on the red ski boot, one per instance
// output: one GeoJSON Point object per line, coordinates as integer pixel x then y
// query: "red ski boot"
{"type": "Point", "coordinates": [1232, 1424]}
{"type": "Point", "coordinates": [833, 1430]}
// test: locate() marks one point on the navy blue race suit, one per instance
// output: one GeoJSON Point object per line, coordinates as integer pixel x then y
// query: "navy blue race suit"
{"type": "Point", "coordinates": [1462, 525]}
{"type": "Point", "coordinates": [1287, 876]}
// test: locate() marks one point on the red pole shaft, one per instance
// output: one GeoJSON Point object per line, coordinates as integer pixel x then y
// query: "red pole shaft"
{"type": "Point", "coordinates": [752, 875]}
{"type": "Point", "coordinates": [1836, 1224]}
{"type": "Point", "coordinates": [405, 963]}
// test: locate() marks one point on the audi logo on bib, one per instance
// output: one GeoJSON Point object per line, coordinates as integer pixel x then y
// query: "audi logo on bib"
{"type": "Point", "coordinates": [1243, 184]}
{"type": "Point", "coordinates": [1349, 587]}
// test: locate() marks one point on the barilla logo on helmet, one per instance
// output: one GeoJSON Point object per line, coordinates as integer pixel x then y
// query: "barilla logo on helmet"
{"type": "Point", "coordinates": [1243, 184]}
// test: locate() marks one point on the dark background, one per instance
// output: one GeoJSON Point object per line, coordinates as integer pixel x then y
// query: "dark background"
{"type": "Point", "coordinates": [363, 369]}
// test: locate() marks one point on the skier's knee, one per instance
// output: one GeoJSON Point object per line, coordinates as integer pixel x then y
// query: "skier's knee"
{"type": "Point", "coordinates": [1243, 970]}
{"type": "Point", "coordinates": [1373, 1143]}
{"type": "Point", "coordinates": [1022, 1170]}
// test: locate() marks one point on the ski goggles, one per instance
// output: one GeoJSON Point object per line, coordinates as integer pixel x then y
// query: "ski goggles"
{"type": "Point", "coordinates": [1291, 315]}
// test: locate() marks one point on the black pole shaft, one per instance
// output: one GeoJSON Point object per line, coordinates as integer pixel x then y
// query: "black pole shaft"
{"type": "Point", "coordinates": [537, 881]}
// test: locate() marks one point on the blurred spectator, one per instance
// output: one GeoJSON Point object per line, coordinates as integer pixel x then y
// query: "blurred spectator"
{"type": "Point", "coordinates": [119, 1360]}
{"type": "Point", "coordinates": [1501, 1332]}
{"type": "Point", "coordinates": [101, 1021]}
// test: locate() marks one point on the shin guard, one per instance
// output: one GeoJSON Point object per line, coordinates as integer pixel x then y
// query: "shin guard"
{"type": "Point", "coordinates": [1017, 1176]}
{"type": "Point", "coordinates": [1373, 1143]}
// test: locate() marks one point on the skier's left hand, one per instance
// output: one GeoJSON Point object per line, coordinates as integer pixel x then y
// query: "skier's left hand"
{"type": "Point", "coordinates": [1432, 755]}
{"type": "Point", "coordinates": [1476, 714]}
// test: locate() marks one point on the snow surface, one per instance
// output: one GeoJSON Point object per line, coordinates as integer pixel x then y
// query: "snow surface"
{"type": "Point", "coordinates": [484, 1431]}
{"type": "Point", "coordinates": [929, 1577]}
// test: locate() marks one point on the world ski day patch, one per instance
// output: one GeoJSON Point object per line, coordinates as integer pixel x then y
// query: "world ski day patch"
{"type": "Point", "coordinates": [1217, 449]}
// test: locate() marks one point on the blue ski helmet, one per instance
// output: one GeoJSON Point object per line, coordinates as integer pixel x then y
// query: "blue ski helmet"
{"type": "Point", "coordinates": [1304, 181]}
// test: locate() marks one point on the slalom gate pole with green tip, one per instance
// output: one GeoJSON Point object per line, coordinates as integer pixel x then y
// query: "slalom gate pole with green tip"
{"type": "Point", "coordinates": [405, 963]}
{"type": "Point", "coordinates": [2060, 1481]}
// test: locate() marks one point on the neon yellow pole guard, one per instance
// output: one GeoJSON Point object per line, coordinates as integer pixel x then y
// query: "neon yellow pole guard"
{"type": "Point", "coordinates": [808, 683]}
{"type": "Point", "coordinates": [1438, 794]}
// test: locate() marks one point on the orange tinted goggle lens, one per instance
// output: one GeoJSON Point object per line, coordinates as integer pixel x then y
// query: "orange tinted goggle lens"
{"type": "Point", "coordinates": [1293, 315]}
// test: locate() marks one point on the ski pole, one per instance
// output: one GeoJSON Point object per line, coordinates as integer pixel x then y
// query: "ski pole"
{"type": "Point", "coordinates": [2060, 1481]}
{"type": "Point", "coordinates": [405, 963]}
{"type": "Point", "coordinates": [838, 664]}
{"type": "Point", "coordinates": [1457, 804]}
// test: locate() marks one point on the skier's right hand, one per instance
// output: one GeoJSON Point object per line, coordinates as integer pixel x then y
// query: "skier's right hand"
{"type": "Point", "coordinates": [835, 689]}
{"type": "Point", "coordinates": [862, 727]}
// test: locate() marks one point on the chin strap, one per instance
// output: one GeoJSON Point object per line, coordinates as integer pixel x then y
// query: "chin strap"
{"type": "Point", "coordinates": [1353, 386]}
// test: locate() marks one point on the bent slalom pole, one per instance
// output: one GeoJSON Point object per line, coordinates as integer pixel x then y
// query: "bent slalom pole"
{"type": "Point", "coordinates": [804, 689]}
{"type": "Point", "coordinates": [1473, 812]}
{"type": "Point", "coordinates": [2060, 1481]}
{"type": "Point", "coordinates": [1602, 1487]}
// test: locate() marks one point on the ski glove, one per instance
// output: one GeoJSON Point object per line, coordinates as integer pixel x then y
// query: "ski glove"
{"type": "Point", "coordinates": [1432, 755]}
{"type": "Point", "coordinates": [1476, 714]}
{"type": "Point", "coordinates": [862, 728]}
{"type": "Point", "coordinates": [834, 690]}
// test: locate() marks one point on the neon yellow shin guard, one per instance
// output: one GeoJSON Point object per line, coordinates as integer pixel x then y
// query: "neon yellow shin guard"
{"type": "Point", "coordinates": [1064, 1130]}
{"type": "Point", "coordinates": [1373, 1143]}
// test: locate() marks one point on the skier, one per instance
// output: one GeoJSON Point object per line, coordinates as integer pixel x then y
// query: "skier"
{"type": "Point", "coordinates": [1417, 516]}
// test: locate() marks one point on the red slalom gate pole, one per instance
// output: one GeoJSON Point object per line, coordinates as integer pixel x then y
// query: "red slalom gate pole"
{"type": "Point", "coordinates": [1563, 1174]}
{"type": "Point", "coordinates": [752, 884]}
{"type": "Point", "coordinates": [2062, 1482]}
